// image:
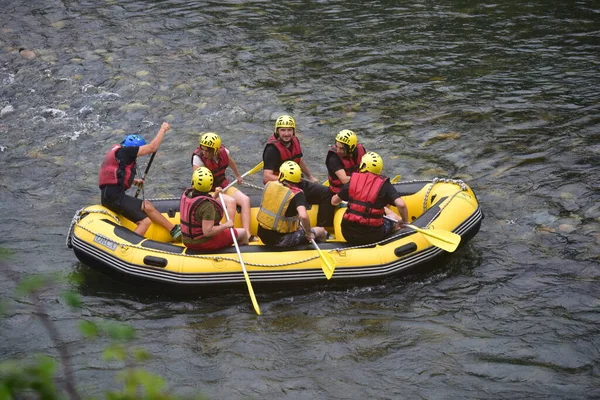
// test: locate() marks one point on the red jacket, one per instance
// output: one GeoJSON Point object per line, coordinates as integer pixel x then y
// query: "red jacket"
{"type": "Point", "coordinates": [109, 170]}
{"type": "Point", "coordinates": [217, 169]}
{"type": "Point", "coordinates": [191, 228]}
{"type": "Point", "coordinates": [350, 166]}
{"type": "Point", "coordinates": [363, 191]}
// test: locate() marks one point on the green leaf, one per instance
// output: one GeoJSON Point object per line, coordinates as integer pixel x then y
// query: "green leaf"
{"type": "Point", "coordinates": [120, 332]}
{"type": "Point", "coordinates": [47, 367]}
{"type": "Point", "coordinates": [31, 284]}
{"type": "Point", "coordinates": [141, 355]}
{"type": "Point", "coordinates": [115, 352]}
{"type": "Point", "coordinates": [72, 299]}
{"type": "Point", "coordinates": [89, 329]}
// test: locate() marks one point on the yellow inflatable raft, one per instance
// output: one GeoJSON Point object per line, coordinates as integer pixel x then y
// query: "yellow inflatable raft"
{"type": "Point", "coordinates": [443, 212]}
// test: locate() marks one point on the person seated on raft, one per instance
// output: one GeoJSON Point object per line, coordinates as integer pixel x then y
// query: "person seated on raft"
{"type": "Point", "coordinates": [343, 159]}
{"type": "Point", "coordinates": [282, 217]}
{"type": "Point", "coordinates": [283, 146]}
{"type": "Point", "coordinates": [201, 213]}
{"type": "Point", "coordinates": [117, 174]}
{"type": "Point", "coordinates": [212, 155]}
{"type": "Point", "coordinates": [368, 193]}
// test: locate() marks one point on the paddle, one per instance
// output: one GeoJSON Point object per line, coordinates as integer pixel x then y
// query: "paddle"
{"type": "Point", "coordinates": [237, 248]}
{"type": "Point", "coordinates": [139, 189]}
{"type": "Point", "coordinates": [327, 263]}
{"type": "Point", "coordinates": [441, 238]}
{"type": "Point", "coordinates": [257, 168]}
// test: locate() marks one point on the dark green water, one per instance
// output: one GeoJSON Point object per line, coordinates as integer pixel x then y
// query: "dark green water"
{"type": "Point", "coordinates": [503, 95]}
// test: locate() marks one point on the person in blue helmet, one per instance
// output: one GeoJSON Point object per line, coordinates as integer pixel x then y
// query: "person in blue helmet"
{"type": "Point", "coordinates": [117, 174]}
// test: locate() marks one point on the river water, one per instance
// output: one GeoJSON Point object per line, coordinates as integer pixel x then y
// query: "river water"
{"type": "Point", "coordinates": [504, 95]}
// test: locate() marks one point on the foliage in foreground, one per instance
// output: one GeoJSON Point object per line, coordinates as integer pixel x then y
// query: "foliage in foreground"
{"type": "Point", "coordinates": [41, 377]}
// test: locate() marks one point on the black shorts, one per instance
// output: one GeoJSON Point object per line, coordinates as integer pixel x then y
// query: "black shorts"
{"type": "Point", "coordinates": [319, 194]}
{"type": "Point", "coordinates": [357, 234]}
{"type": "Point", "coordinates": [294, 238]}
{"type": "Point", "coordinates": [128, 206]}
{"type": "Point", "coordinates": [273, 238]}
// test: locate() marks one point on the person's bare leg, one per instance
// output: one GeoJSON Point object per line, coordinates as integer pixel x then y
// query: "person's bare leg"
{"type": "Point", "coordinates": [156, 216]}
{"type": "Point", "coordinates": [230, 204]}
{"type": "Point", "coordinates": [142, 226]}
{"type": "Point", "coordinates": [242, 236]}
{"type": "Point", "coordinates": [244, 202]}
{"type": "Point", "coordinates": [320, 234]}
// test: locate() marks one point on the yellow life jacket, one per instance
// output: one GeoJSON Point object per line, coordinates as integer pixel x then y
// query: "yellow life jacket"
{"type": "Point", "coordinates": [275, 201]}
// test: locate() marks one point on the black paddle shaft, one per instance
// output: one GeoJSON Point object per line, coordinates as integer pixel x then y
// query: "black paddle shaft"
{"type": "Point", "coordinates": [139, 189]}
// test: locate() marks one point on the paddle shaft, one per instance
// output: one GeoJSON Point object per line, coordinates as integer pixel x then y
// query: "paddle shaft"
{"type": "Point", "coordinates": [139, 189]}
{"type": "Point", "coordinates": [237, 248]}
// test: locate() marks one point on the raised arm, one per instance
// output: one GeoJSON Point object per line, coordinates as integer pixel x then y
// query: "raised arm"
{"type": "Point", "coordinates": [153, 146]}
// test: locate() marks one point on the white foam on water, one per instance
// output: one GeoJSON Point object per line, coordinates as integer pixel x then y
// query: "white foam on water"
{"type": "Point", "coordinates": [85, 87]}
{"type": "Point", "coordinates": [105, 95]}
{"type": "Point", "coordinates": [7, 110]}
{"type": "Point", "coordinates": [74, 135]}
{"type": "Point", "coordinates": [10, 79]}
{"type": "Point", "coordinates": [55, 112]}
{"type": "Point", "coordinates": [86, 109]}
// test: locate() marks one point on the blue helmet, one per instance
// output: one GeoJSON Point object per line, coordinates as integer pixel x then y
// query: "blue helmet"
{"type": "Point", "coordinates": [133, 140]}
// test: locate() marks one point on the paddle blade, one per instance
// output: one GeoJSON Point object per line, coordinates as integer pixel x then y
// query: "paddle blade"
{"type": "Point", "coordinates": [395, 179]}
{"type": "Point", "coordinates": [251, 291]}
{"type": "Point", "coordinates": [258, 167]}
{"type": "Point", "coordinates": [327, 264]}
{"type": "Point", "coordinates": [441, 238]}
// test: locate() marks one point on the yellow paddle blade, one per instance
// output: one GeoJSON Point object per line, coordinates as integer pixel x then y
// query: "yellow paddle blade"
{"type": "Point", "coordinates": [395, 179]}
{"type": "Point", "coordinates": [257, 168]}
{"type": "Point", "coordinates": [327, 264]}
{"type": "Point", "coordinates": [251, 291]}
{"type": "Point", "coordinates": [441, 238]}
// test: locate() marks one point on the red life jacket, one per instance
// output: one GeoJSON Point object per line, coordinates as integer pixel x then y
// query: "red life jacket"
{"type": "Point", "coordinates": [191, 228]}
{"type": "Point", "coordinates": [217, 169]}
{"type": "Point", "coordinates": [293, 153]}
{"type": "Point", "coordinates": [363, 191]}
{"type": "Point", "coordinates": [111, 173]}
{"type": "Point", "coordinates": [350, 164]}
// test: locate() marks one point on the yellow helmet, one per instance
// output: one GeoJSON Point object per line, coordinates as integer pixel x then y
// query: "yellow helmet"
{"type": "Point", "coordinates": [285, 121]}
{"type": "Point", "coordinates": [290, 171]}
{"type": "Point", "coordinates": [211, 140]}
{"type": "Point", "coordinates": [348, 138]}
{"type": "Point", "coordinates": [371, 162]}
{"type": "Point", "coordinates": [202, 179]}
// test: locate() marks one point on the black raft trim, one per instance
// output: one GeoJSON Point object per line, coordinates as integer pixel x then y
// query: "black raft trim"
{"type": "Point", "coordinates": [155, 245]}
